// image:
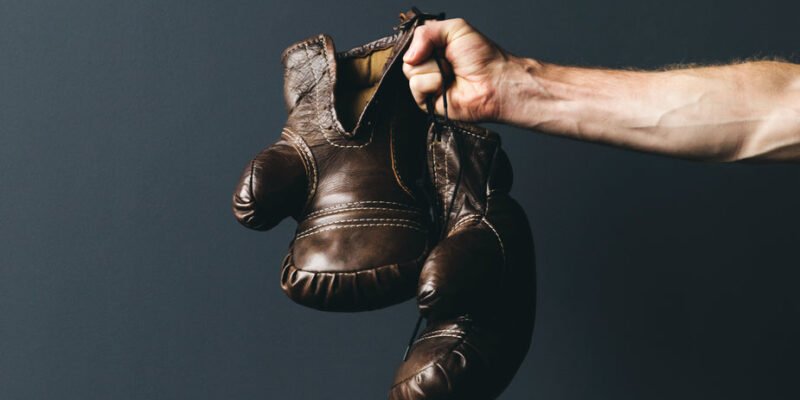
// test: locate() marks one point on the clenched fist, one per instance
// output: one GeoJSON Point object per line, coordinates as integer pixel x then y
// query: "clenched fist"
{"type": "Point", "coordinates": [475, 65]}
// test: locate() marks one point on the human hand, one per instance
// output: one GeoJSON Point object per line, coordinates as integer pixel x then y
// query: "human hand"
{"type": "Point", "coordinates": [476, 66]}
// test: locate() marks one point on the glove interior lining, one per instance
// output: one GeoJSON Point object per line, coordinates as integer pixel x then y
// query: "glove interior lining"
{"type": "Point", "coordinates": [356, 82]}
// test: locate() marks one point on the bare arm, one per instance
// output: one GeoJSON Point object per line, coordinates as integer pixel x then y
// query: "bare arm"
{"type": "Point", "coordinates": [726, 113]}
{"type": "Point", "coordinates": [722, 113]}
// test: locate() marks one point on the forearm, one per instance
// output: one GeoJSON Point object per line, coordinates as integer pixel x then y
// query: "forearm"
{"type": "Point", "coordinates": [726, 113]}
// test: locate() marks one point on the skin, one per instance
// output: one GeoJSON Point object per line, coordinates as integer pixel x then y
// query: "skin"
{"type": "Point", "coordinates": [737, 112]}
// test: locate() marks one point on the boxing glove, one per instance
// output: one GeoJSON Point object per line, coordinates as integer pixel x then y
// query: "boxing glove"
{"type": "Point", "coordinates": [347, 168]}
{"type": "Point", "coordinates": [477, 286]}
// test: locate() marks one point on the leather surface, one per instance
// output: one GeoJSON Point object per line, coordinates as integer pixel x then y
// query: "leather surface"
{"type": "Point", "coordinates": [477, 288]}
{"type": "Point", "coordinates": [346, 167]}
{"type": "Point", "coordinates": [373, 185]}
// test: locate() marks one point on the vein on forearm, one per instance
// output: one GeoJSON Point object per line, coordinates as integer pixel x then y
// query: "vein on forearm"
{"type": "Point", "coordinates": [717, 113]}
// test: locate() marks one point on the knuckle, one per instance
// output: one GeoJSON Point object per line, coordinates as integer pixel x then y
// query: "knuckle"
{"type": "Point", "coordinates": [459, 23]}
{"type": "Point", "coordinates": [413, 83]}
{"type": "Point", "coordinates": [436, 80]}
{"type": "Point", "coordinates": [460, 27]}
{"type": "Point", "coordinates": [419, 99]}
{"type": "Point", "coordinates": [416, 83]}
{"type": "Point", "coordinates": [408, 70]}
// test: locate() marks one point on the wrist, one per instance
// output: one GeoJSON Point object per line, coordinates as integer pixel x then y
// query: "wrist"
{"type": "Point", "coordinates": [517, 91]}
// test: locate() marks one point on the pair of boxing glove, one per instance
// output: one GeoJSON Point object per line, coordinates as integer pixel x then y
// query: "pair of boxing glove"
{"type": "Point", "coordinates": [390, 204]}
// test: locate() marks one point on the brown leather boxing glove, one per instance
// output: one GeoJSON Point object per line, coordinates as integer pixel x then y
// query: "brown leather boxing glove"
{"type": "Point", "coordinates": [347, 167]}
{"type": "Point", "coordinates": [477, 287]}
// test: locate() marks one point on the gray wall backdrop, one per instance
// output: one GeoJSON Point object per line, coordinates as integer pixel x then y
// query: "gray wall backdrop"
{"type": "Point", "coordinates": [123, 274]}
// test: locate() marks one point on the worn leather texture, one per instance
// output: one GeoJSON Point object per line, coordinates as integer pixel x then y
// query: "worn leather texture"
{"type": "Point", "coordinates": [477, 287]}
{"type": "Point", "coordinates": [346, 167]}
{"type": "Point", "coordinates": [390, 203]}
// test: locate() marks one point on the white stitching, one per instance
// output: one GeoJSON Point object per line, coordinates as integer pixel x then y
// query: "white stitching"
{"type": "Point", "coordinates": [346, 205]}
{"type": "Point", "coordinates": [358, 226]}
{"type": "Point", "coordinates": [464, 221]}
{"type": "Point", "coordinates": [394, 160]}
{"type": "Point", "coordinates": [354, 146]}
{"type": "Point", "coordinates": [332, 111]}
{"type": "Point", "coordinates": [455, 331]}
{"type": "Point", "coordinates": [317, 89]}
{"type": "Point", "coordinates": [358, 220]}
{"type": "Point", "coordinates": [436, 181]}
{"type": "Point", "coordinates": [436, 336]}
{"type": "Point", "coordinates": [447, 145]}
{"type": "Point", "coordinates": [290, 264]}
{"type": "Point", "coordinates": [499, 239]}
{"type": "Point", "coordinates": [291, 49]}
{"type": "Point", "coordinates": [305, 154]}
{"type": "Point", "coordinates": [443, 200]}
{"type": "Point", "coordinates": [344, 209]}
{"type": "Point", "coordinates": [445, 208]}
{"type": "Point", "coordinates": [308, 159]}
{"type": "Point", "coordinates": [472, 134]}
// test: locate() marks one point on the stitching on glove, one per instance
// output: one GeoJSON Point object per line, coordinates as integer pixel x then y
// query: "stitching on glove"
{"type": "Point", "coordinates": [347, 205]}
{"type": "Point", "coordinates": [461, 341]}
{"type": "Point", "coordinates": [359, 220]}
{"type": "Point", "coordinates": [499, 239]}
{"type": "Point", "coordinates": [288, 263]}
{"type": "Point", "coordinates": [462, 130]}
{"type": "Point", "coordinates": [438, 336]}
{"type": "Point", "coordinates": [250, 188]}
{"type": "Point", "coordinates": [436, 332]}
{"type": "Point", "coordinates": [298, 45]}
{"type": "Point", "coordinates": [463, 221]}
{"type": "Point", "coordinates": [446, 173]}
{"type": "Point", "coordinates": [416, 228]}
{"type": "Point", "coordinates": [394, 160]}
{"type": "Point", "coordinates": [308, 161]}
{"type": "Point", "coordinates": [317, 89]}
{"type": "Point", "coordinates": [377, 44]}
{"type": "Point", "coordinates": [342, 210]}
{"type": "Point", "coordinates": [332, 111]}
{"type": "Point", "coordinates": [435, 180]}
{"type": "Point", "coordinates": [343, 146]}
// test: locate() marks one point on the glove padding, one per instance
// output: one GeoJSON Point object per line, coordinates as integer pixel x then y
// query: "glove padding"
{"type": "Point", "coordinates": [477, 287]}
{"type": "Point", "coordinates": [363, 227]}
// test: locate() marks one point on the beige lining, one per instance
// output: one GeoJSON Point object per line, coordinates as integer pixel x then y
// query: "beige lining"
{"type": "Point", "coordinates": [356, 82]}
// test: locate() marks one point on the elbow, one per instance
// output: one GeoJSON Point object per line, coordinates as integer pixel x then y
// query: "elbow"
{"type": "Point", "coordinates": [774, 110]}
{"type": "Point", "coordinates": [776, 139]}
{"type": "Point", "coordinates": [776, 136]}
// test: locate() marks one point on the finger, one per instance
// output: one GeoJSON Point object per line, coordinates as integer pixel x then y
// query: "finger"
{"type": "Point", "coordinates": [434, 34]}
{"type": "Point", "coordinates": [426, 67]}
{"type": "Point", "coordinates": [425, 85]}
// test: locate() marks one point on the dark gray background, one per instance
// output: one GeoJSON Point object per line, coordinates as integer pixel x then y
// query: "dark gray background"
{"type": "Point", "coordinates": [123, 274]}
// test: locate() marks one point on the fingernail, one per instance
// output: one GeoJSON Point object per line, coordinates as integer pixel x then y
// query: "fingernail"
{"type": "Point", "coordinates": [408, 55]}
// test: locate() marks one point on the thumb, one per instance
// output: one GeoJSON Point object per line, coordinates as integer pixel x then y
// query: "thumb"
{"type": "Point", "coordinates": [272, 186]}
{"type": "Point", "coordinates": [460, 274]}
